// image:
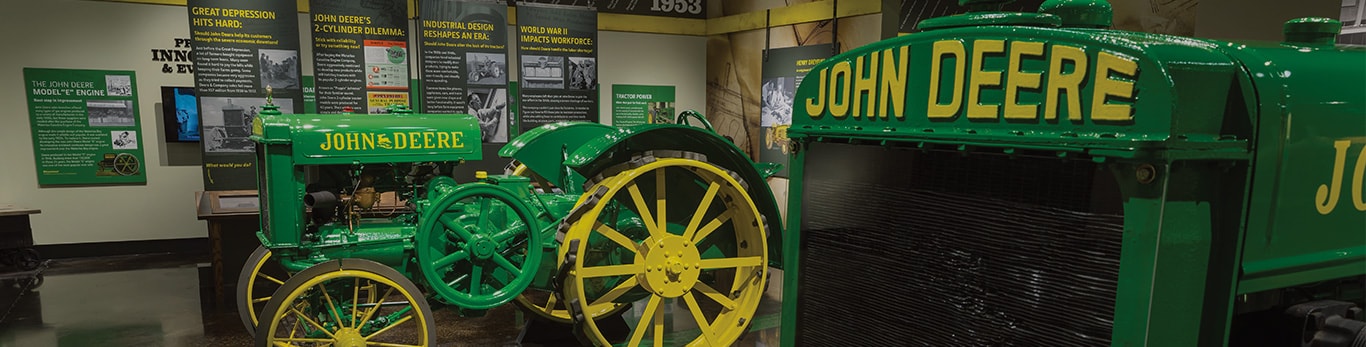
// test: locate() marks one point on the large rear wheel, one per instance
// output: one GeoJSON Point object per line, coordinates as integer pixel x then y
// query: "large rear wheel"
{"type": "Point", "coordinates": [669, 231]}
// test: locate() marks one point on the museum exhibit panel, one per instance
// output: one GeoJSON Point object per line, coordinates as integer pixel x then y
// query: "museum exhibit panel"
{"type": "Point", "coordinates": [685, 173]}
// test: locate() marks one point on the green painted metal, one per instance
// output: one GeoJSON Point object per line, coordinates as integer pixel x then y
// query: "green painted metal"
{"type": "Point", "coordinates": [344, 139]}
{"type": "Point", "coordinates": [1241, 201]}
{"type": "Point", "coordinates": [544, 149]}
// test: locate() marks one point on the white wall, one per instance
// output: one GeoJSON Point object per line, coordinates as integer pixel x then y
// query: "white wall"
{"type": "Point", "coordinates": [105, 36]}
{"type": "Point", "coordinates": [119, 36]}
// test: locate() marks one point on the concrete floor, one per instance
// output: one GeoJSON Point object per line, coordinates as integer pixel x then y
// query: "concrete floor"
{"type": "Point", "coordinates": [166, 300]}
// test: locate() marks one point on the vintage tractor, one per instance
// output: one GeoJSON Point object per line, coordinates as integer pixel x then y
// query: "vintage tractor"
{"type": "Point", "coordinates": [589, 220]}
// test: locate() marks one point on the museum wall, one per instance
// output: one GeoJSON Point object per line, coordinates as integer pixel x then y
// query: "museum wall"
{"type": "Point", "coordinates": [105, 36]}
{"type": "Point", "coordinates": [119, 36]}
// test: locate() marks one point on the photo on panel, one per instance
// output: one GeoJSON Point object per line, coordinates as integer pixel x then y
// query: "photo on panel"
{"type": "Point", "coordinates": [487, 68]}
{"type": "Point", "coordinates": [776, 103]}
{"type": "Point", "coordinates": [118, 85]}
{"type": "Point", "coordinates": [110, 113]}
{"type": "Point", "coordinates": [124, 139]}
{"type": "Point", "coordinates": [583, 73]}
{"type": "Point", "coordinates": [489, 105]}
{"type": "Point", "coordinates": [279, 69]}
{"type": "Point", "coordinates": [227, 121]}
{"type": "Point", "coordinates": [542, 72]}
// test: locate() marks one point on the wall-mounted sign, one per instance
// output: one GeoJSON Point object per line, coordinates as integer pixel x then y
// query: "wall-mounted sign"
{"type": "Point", "coordinates": [85, 126]}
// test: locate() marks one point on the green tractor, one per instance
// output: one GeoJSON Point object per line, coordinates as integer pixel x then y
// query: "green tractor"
{"type": "Point", "coordinates": [364, 230]}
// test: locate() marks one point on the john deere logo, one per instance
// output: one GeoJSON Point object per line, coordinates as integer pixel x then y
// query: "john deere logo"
{"type": "Point", "coordinates": [393, 141]}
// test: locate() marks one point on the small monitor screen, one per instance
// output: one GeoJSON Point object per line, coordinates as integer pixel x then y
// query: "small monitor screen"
{"type": "Point", "coordinates": [180, 114]}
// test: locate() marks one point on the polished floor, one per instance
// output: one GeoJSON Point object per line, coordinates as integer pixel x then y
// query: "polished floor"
{"type": "Point", "coordinates": [167, 300]}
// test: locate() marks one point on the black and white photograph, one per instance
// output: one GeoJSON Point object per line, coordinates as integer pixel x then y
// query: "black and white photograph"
{"type": "Point", "coordinates": [542, 72]}
{"type": "Point", "coordinates": [776, 106]}
{"type": "Point", "coordinates": [489, 105]}
{"type": "Point", "coordinates": [110, 113]}
{"type": "Point", "coordinates": [487, 68]}
{"type": "Point", "coordinates": [227, 121]}
{"type": "Point", "coordinates": [118, 85]}
{"type": "Point", "coordinates": [583, 73]}
{"type": "Point", "coordinates": [279, 69]}
{"type": "Point", "coordinates": [124, 139]}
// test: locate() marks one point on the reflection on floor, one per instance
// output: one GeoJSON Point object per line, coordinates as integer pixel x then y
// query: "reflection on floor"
{"type": "Point", "coordinates": [166, 300]}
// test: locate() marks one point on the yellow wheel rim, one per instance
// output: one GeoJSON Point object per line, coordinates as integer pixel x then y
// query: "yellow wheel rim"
{"type": "Point", "coordinates": [544, 304]}
{"type": "Point", "coordinates": [310, 316]}
{"type": "Point", "coordinates": [252, 299]}
{"type": "Point", "coordinates": [713, 259]}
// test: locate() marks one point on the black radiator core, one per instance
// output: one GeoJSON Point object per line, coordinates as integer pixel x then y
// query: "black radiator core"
{"type": "Point", "coordinates": [923, 248]}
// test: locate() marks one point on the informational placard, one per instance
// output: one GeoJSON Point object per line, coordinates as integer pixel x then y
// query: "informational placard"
{"type": "Point", "coordinates": [664, 8]}
{"type": "Point", "coordinates": [360, 54]}
{"type": "Point", "coordinates": [464, 62]}
{"type": "Point", "coordinates": [636, 104]}
{"type": "Point", "coordinates": [85, 126]}
{"type": "Point", "coordinates": [557, 50]}
{"type": "Point", "coordinates": [782, 73]}
{"type": "Point", "coordinates": [241, 49]}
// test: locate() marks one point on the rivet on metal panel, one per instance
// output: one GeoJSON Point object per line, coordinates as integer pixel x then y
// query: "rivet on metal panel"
{"type": "Point", "coordinates": [1145, 174]}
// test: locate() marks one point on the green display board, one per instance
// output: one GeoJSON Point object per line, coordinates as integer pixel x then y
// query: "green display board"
{"type": "Point", "coordinates": [85, 126]}
{"type": "Point", "coordinates": [636, 104]}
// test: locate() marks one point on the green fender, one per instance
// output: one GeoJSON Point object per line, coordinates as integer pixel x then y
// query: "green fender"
{"type": "Point", "coordinates": [617, 147]}
{"type": "Point", "coordinates": [544, 148]}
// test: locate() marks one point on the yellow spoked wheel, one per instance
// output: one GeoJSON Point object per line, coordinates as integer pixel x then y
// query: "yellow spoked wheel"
{"type": "Point", "coordinates": [325, 305]}
{"type": "Point", "coordinates": [259, 279]}
{"type": "Point", "coordinates": [670, 230]}
{"type": "Point", "coordinates": [544, 304]}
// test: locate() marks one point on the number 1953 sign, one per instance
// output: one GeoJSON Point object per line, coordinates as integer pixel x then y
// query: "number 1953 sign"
{"type": "Point", "coordinates": [668, 8]}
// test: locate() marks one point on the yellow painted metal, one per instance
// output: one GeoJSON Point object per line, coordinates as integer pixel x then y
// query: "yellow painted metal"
{"type": "Point", "coordinates": [347, 333]}
{"type": "Point", "coordinates": [795, 14]}
{"type": "Point", "coordinates": [669, 263]}
{"type": "Point", "coordinates": [251, 286]}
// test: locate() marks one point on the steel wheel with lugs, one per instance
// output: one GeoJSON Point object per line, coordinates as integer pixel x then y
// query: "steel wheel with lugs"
{"type": "Point", "coordinates": [324, 305]}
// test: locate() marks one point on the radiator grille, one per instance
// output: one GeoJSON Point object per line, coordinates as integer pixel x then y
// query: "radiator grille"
{"type": "Point", "coordinates": [942, 249]}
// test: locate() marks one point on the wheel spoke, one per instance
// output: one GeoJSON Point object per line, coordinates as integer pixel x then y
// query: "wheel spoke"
{"type": "Point", "coordinates": [714, 295]}
{"type": "Point", "coordinates": [625, 286]}
{"type": "Point", "coordinates": [303, 339]}
{"type": "Point", "coordinates": [660, 201]}
{"type": "Point", "coordinates": [355, 302]}
{"type": "Point", "coordinates": [449, 223]}
{"type": "Point", "coordinates": [644, 211]}
{"type": "Point", "coordinates": [476, 276]}
{"type": "Point", "coordinates": [650, 308]}
{"type": "Point", "coordinates": [268, 278]}
{"type": "Point", "coordinates": [450, 259]}
{"type": "Point", "coordinates": [701, 210]}
{"type": "Point", "coordinates": [331, 307]}
{"type": "Point", "coordinates": [617, 237]}
{"type": "Point", "coordinates": [282, 344]}
{"type": "Point", "coordinates": [504, 263]}
{"type": "Point", "coordinates": [719, 263]}
{"type": "Point", "coordinates": [609, 270]}
{"type": "Point", "coordinates": [372, 310]}
{"type": "Point", "coordinates": [503, 236]}
{"type": "Point", "coordinates": [311, 322]}
{"type": "Point", "coordinates": [391, 326]}
{"type": "Point", "coordinates": [483, 212]}
{"type": "Point", "coordinates": [260, 300]}
{"type": "Point", "coordinates": [659, 330]}
{"type": "Point", "coordinates": [711, 226]}
{"type": "Point", "coordinates": [697, 316]}
{"type": "Point", "coordinates": [550, 304]}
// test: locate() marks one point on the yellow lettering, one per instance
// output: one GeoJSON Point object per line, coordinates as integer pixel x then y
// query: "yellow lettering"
{"type": "Point", "coordinates": [1106, 87]}
{"type": "Point", "coordinates": [400, 141]}
{"type": "Point", "coordinates": [1327, 196]}
{"type": "Point", "coordinates": [1059, 81]}
{"type": "Point", "coordinates": [865, 82]}
{"type": "Point", "coordinates": [441, 139]}
{"type": "Point", "coordinates": [427, 140]}
{"type": "Point", "coordinates": [352, 141]}
{"type": "Point", "coordinates": [327, 143]}
{"type": "Point", "coordinates": [816, 106]}
{"type": "Point", "coordinates": [981, 78]}
{"type": "Point", "coordinates": [1359, 174]}
{"type": "Point", "coordinates": [893, 90]}
{"type": "Point", "coordinates": [413, 136]}
{"type": "Point", "coordinates": [1017, 79]}
{"type": "Point", "coordinates": [456, 136]}
{"type": "Point", "coordinates": [840, 81]}
{"type": "Point", "coordinates": [368, 140]}
{"type": "Point", "coordinates": [943, 49]}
